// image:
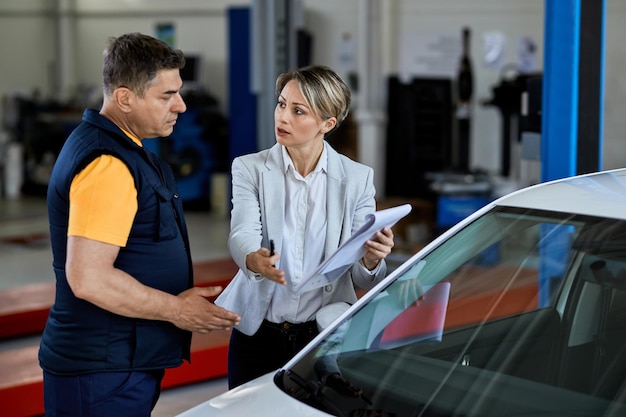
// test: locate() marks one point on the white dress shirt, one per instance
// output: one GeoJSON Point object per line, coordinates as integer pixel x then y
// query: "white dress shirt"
{"type": "Point", "coordinates": [303, 243]}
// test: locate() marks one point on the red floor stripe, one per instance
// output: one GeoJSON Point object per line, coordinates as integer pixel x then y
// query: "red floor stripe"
{"type": "Point", "coordinates": [24, 310]}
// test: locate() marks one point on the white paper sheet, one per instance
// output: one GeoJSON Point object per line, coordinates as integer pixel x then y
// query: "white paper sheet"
{"type": "Point", "coordinates": [352, 250]}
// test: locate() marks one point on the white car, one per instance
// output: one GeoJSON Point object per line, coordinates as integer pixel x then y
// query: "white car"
{"type": "Point", "coordinates": [517, 311]}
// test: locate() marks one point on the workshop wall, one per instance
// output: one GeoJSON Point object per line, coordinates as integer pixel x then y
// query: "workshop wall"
{"type": "Point", "coordinates": [28, 47]}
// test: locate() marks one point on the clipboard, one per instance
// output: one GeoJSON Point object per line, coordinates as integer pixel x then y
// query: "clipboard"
{"type": "Point", "coordinates": [351, 250]}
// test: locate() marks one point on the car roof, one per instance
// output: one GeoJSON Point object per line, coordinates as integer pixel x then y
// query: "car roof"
{"type": "Point", "coordinates": [601, 194]}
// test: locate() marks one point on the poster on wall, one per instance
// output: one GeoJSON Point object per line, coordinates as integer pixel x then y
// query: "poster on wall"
{"type": "Point", "coordinates": [494, 47]}
{"type": "Point", "coordinates": [428, 55]}
{"type": "Point", "coordinates": [167, 33]}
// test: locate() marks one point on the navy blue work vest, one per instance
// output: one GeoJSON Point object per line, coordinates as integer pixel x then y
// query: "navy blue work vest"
{"type": "Point", "coordinates": [80, 337]}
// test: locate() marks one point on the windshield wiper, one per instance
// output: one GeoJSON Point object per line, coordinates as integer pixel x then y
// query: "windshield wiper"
{"type": "Point", "coordinates": [337, 383]}
{"type": "Point", "coordinates": [329, 375]}
{"type": "Point", "coordinates": [312, 388]}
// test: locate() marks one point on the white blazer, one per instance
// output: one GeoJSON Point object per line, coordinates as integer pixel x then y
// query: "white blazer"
{"type": "Point", "coordinates": [258, 197]}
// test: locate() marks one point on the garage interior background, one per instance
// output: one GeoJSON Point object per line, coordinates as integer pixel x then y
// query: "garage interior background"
{"type": "Point", "coordinates": [53, 50]}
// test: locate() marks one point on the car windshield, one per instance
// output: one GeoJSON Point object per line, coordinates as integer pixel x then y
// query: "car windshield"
{"type": "Point", "coordinates": [520, 313]}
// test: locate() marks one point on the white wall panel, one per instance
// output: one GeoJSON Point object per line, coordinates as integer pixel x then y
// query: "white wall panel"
{"type": "Point", "coordinates": [28, 48]}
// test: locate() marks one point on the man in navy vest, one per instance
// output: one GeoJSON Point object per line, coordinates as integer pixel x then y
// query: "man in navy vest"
{"type": "Point", "coordinates": [125, 304]}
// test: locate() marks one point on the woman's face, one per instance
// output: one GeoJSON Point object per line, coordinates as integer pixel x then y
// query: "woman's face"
{"type": "Point", "coordinates": [295, 124]}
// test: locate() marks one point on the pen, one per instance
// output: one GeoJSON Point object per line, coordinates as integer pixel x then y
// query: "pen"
{"type": "Point", "coordinates": [272, 248]}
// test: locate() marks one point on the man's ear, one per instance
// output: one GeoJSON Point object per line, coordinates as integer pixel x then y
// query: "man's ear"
{"type": "Point", "coordinates": [123, 97]}
{"type": "Point", "coordinates": [329, 124]}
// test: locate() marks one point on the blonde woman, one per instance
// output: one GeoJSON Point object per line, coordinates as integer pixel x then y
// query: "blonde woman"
{"type": "Point", "coordinates": [306, 199]}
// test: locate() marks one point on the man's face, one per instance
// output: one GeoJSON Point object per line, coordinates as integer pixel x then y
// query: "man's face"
{"type": "Point", "coordinates": [155, 114]}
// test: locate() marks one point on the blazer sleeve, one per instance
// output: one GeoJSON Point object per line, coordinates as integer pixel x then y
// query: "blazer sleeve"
{"type": "Point", "coordinates": [246, 228]}
{"type": "Point", "coordinates": [365, 205]}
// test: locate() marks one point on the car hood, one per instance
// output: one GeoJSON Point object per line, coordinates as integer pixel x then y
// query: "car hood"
{"type": "Point", "coordinates": [259, 398]}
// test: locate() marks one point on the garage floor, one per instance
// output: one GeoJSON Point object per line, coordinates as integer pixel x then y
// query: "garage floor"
{"type": "Point", "coordinates": [25, 258]}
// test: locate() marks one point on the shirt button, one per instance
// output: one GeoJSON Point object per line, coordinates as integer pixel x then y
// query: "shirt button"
{"type": "Point", "coordinates": [328, 288]}
{"type": "Point", "coordinates": [175, 195]}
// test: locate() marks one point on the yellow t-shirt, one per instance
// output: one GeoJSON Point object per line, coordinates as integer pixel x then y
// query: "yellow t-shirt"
{"type": "Point", "coordinates": [103, 201]}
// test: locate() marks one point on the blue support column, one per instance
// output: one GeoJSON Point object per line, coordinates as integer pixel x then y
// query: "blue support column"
{"type": "Point", "coordinates": [242, 103]}
{"type": "Point", "coordinates": [573, 88]}
{"type": "Point", "coordinates": [572, 109]}
{"type": "Point", "coordinates": [560, 89]}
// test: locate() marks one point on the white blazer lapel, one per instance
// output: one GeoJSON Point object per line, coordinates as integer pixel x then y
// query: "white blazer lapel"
{"type": "Point", "coordinates": [273, 191]}
{"type": "Point", "coordinates": [335, 202]}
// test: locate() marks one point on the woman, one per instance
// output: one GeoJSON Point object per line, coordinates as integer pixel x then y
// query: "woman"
{"type": "Point", "coordinates": [307, 199]}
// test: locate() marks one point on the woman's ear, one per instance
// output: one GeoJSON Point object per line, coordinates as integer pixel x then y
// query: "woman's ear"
{"type": "Point", "coordinates": [329, 124]}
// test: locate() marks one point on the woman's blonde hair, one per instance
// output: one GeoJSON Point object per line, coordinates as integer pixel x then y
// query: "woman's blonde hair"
{"type": "Point", "coordinates": [323, 89]}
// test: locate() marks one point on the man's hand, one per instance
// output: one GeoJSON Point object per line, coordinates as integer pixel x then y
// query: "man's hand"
{"type": "Point", "coordinates": [197, 314]}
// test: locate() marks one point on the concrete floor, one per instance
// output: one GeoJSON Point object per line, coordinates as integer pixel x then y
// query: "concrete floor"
{"type": "Point", "coordinates": [25, 258]}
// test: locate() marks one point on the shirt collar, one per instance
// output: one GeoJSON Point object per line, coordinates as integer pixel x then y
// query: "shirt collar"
{"type": "Point", "coordinates": [132, 137]}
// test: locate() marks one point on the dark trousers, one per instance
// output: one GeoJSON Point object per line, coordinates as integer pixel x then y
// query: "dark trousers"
{"type": "Point", "coordinates": [268, 349]}
{"type": "Point", "coordinates": [101, 394]}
